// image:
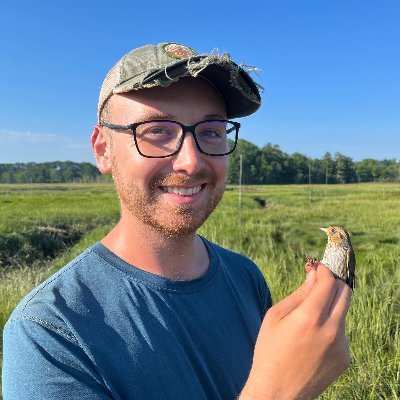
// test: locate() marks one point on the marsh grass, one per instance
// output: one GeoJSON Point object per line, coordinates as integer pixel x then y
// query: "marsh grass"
{"type": "Point", "coordinates": [39, 222]}
{"type": "Point", "coordinates": [277, 226]}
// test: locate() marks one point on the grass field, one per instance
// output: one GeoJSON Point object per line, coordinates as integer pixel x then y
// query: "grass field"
{"type": "Point", "coordinates": [276, 226]}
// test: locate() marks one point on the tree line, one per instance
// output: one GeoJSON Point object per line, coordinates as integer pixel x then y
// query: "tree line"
{"type": "Point", "coordinates": [265, 165]}
{"type": "Point", "coordinates": [50, 172]}
{"type": "Point", "coordinates": [270, 165]}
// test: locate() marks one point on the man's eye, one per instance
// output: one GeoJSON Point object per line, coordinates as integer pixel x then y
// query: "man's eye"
{"type": "Point", "coordinates": [211, 134]}
{"type": "Point", "coordinates": [157, 130]}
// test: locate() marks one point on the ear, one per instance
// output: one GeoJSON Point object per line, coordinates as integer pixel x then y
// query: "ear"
{"type": "Point", "coordinates": [101, 147]}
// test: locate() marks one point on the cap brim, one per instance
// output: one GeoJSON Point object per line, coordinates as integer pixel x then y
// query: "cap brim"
{"type": "Point", "coordinates": [238, 89]}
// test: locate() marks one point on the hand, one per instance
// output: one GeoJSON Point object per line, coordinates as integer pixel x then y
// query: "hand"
{"type": "Point", "coordinates": [301, 347]}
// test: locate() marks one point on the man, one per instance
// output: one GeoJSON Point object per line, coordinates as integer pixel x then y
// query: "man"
{"type": "Point", "coordinates": [154, 311]}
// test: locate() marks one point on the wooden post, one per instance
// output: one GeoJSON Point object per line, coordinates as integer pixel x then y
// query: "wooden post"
{"type": "Point", "coordinates": [326, 175]}
{"type": "Point", "coordinates": [240, 187]}
{"type": "Point", "coordinates": [309, 182]}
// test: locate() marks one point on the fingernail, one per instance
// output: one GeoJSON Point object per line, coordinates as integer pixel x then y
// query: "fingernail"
{"type": "Point", "coordinates": [310, 276]}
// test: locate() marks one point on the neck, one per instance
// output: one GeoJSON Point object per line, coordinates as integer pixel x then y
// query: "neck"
{"type": "Point", "coordinates": [182, 257]}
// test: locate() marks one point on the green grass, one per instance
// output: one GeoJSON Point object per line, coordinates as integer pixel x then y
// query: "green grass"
{"type": "Point", "coordinates": [277, 237]}
{"type": "Point", "coordinates": [23, 208]}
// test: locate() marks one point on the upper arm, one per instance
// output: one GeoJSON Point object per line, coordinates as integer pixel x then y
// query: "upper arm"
{"type": "Point", "coordinates": [43, 362]}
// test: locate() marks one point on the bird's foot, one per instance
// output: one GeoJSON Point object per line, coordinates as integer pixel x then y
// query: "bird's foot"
{"type": "Point", "coordinates": [312, 261]}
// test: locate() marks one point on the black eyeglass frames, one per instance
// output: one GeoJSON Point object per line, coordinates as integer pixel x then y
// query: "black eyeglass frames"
{"type": "Point", "coordinates": [164, 138]}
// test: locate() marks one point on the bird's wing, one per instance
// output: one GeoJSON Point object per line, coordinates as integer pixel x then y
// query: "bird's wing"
{"type": "Point", "coordinates": [351, 267]}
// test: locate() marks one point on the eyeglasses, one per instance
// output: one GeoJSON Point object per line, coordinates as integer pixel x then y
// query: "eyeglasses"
{"type": "Point", "coordinates": [162, 138]}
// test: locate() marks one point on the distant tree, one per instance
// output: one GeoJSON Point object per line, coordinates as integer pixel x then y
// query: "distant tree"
{"type": "Point", "coordinates": [250, 163]}
{"type": "Point", "coordinates": [274, 165]}
{"type": "Point", "coordinates": [318, 172]}
{"type": "Point", "coordinates": [367, 170]}
{"type": "Point", "coordinates": [8, 177]}
{"type": "Point", "coordinates": [54, 175]}
{"type": "Point", "coordinates": [49, 172]}
{"type": "Point", "coordinates": [88, 172]}
{"type": "Point", "coordinates": [299, 164]}
{"type": "Point", "coordinates": [345, 169]}
{"type": "Point", "coordinates": [329, 166]}
{"type": "Point", "coordinates": [389, 170]}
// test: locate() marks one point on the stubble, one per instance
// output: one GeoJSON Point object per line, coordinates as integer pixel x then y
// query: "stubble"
{"type": "Point", "coordinates": [170, 221]}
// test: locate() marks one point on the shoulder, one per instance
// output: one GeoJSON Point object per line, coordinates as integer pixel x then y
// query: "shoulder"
{"type": "Point", "coordinates": [236, 262]}
{"type": "Point", "coordinates": [59, 291]}
{"type": "Point", "coordinates": [242, 271]}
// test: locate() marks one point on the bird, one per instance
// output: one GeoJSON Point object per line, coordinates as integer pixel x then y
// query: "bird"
{"type": "Point", "coordinates": [339, 255]}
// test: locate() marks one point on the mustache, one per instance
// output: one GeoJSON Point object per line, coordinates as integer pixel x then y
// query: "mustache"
{"type": "Point", "coordinates": [179, 179]}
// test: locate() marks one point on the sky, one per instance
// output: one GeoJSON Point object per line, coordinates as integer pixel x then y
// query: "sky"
{"type": "Point", "coordinates": [330, 69]}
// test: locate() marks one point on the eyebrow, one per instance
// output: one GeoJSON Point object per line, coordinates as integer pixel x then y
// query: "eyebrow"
{"type": "Point", "coordinates": [215, 116]}
{"type": "Point", "coordinates": [158, 115]}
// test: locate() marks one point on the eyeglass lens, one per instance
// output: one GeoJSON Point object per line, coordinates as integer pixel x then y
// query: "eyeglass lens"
{"type": "Point", "coordinates": [163, 138]}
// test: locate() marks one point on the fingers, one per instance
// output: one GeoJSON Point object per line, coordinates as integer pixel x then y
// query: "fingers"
{"type": "Point", "coordinates": [323, 292]}
{"type": "Point", "coordinates": [341, 302]}
{"type": "Point", "coordinates": [291, 302]}
{"type": "Point", "coordinates": [308, 267]}
{"type": "Point", "coordinates": [320, 295]}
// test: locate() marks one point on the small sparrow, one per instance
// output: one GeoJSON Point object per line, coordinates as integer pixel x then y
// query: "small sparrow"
{"type": "Point", "coordinates": [339, 254]}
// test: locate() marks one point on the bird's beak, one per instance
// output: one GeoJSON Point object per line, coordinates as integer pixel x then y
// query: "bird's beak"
{"type": "Point", "coordinates": [324, 229]}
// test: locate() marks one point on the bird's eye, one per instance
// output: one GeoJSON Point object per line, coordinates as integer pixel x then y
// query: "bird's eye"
{"type": "Point", "coordinates": [333, 230]}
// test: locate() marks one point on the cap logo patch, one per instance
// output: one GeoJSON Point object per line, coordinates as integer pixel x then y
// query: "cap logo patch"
{"type": "Point", "coordinates": [178, 51]}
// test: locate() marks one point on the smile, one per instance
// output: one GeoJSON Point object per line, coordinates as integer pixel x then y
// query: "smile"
{"type": "Point", "coordinates": [182, 191]}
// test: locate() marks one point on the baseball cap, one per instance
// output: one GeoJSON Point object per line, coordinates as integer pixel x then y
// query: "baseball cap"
{"type": "Point", "coordinates": [165, 63]}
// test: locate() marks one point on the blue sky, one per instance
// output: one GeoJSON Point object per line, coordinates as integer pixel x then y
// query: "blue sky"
{"type": "Point", "coordinates": [331, 69]}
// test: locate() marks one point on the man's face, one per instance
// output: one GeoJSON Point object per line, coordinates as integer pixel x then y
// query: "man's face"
{"type": "Point", "coordinates": [176, 194]}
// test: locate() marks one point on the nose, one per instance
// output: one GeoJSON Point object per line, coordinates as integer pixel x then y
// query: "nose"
{"type": "Point", "coordinates": [188, 159]}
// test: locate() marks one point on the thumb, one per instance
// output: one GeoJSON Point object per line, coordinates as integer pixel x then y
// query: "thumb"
{"type": "Point", "coordinates": [291, 302]}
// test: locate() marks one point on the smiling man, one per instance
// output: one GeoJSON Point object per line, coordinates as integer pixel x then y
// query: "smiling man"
{"type": "Point", "coordinates": [154, 311]}
{"type": "Point", "coordinates": [168, 190]}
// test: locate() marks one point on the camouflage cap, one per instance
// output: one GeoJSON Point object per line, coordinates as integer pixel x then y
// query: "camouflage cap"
{"type": "Point", "coordinates": [165, 63]}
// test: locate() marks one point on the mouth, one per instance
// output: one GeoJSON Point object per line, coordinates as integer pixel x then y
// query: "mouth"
{"type": "Point", "coordinates": [183, 191]}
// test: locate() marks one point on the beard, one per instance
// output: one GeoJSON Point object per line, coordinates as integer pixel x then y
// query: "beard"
{"type": "Point", "coordinates": [169, 220]}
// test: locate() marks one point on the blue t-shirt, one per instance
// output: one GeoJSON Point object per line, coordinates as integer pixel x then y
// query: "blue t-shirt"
{"type": "Point", "coordinates": [101, 328]}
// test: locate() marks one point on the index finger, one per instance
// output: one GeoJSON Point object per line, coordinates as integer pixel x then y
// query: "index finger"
{"type": "Point", "coordinates": [322, 294]}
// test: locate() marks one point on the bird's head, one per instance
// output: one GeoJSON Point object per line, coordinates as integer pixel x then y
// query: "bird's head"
{"type": "Point", "coordinates": [337, 235]}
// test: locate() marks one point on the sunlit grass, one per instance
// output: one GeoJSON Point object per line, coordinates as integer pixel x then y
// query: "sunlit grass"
{"type": "Point", "coordinates": [276, 236]}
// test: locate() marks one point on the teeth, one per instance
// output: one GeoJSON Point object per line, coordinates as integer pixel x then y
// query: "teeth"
{"type": "Point", "coordinates": [182, 191]}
